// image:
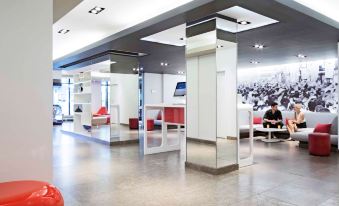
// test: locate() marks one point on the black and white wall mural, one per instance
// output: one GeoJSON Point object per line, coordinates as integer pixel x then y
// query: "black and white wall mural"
{"type": "Point", "coordinates": [312, 84]}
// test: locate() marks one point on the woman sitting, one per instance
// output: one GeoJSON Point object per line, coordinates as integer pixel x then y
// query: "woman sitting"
{"type": "Point", "coordinates": [298, 121]}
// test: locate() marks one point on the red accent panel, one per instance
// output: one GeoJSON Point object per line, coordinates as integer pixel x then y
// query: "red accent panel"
{"type": "Point", "coordinates": [29, 193]}
{"type": "Point", "coordinates": [174, 115]}
{"type": "Point", "coordinates": [150, 124]}
{"type": "Point", "coordinates": [319, 144]}
{"type": "Point", "coordinates": [133, 123]}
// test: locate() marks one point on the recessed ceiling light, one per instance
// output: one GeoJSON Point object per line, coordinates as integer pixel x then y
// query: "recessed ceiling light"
{"type": "Point", "coordinates": [244, 22]}
{"type": "Point", "coordinates": [96, 10]}
{"type": "Point", "coordinates": [164, 64]}
{"type": "Point", "coordinates": [181, 72]}
{"type": "Point", "coordinates": [220, 46]}
{"type": "Point", "coordinates": [259, 46]}
{"type": "Point", "coordinates": [63, 31]}
{"type": "Point", "coordinates": [301, 56]}
{"type": "Point", "coordinates": [254, 62]}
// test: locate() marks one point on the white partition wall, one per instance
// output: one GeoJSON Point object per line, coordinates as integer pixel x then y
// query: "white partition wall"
{"type": "Point", "coordinates": [211, 56]}
{"type": "Point", "coordinates": [26, 90]}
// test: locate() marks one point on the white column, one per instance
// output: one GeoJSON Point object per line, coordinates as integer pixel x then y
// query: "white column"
{"type": "Point", "coordinates": [211, 60]}
{"type": "Point", "coordinates": [26, 90]}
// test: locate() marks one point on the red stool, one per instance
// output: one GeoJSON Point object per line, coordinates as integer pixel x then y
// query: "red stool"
{"type": "Point", "coordinates": [319, 144]}
{"type": "Point", "coordinates": [150, 124]}
{"type": "Point", "coordinates": [29, 193]}
{"type": "Point", "coordinates": [133, 123]}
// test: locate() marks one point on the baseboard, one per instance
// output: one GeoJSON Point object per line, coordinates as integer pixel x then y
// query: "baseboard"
{"type": "Point", "coordinates": [190, 139]}
{"type": "Point", "coordinates": [211, 170]}
{"type": "Point", "coordinates": [124, 142]}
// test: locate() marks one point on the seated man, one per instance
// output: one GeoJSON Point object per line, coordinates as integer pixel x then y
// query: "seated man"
{"type": "Point", "coordinates": [273, 117]}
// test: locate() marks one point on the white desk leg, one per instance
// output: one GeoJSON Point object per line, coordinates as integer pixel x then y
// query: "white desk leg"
{"type": "Point", "coordinates": [164, 137]}
{"type": "Point", "coordinates": [145, 131]}
{"type": "Point", "coordinates": [270, 140]}
{"type": "Point", "coordinates": [179, 132]}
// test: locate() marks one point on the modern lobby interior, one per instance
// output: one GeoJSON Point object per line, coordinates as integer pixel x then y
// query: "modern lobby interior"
{"type": "Point", "coordinates": [124, 134]}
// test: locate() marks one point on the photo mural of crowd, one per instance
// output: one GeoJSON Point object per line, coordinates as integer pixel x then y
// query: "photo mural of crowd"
{"type": "Point", "coordinates": [311, 84]}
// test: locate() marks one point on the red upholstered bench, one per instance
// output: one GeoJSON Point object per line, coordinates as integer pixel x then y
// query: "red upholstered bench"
{"type": "Point", "coordinates": [150, 124]}
{"type": "Point", "coordinates": [319, 144]}
{"type": "Point", "coordinates": [29, 193]}
{"type": "Point", "coordinates": [133, 123]}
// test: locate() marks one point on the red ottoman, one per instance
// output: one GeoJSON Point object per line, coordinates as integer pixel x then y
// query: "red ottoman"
{"type": "Point", "coordinates": [150, 124]}
{"type": "Point", "coordinates": [133, 123]}
{"type": "Point", "coordinates": [319, 144]}
{"type": "Point", "coordinates": [29, 193]}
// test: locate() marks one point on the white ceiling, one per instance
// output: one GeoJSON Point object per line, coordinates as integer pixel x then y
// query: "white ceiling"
{"type": "Point", "coordinates": [327, 8]}
{"type": "Point", "coordinates": [86, 28]}
{"type": "Point", "coordinates": [172, 36]}
{"type": "Point", "coordinates": [240, 14]}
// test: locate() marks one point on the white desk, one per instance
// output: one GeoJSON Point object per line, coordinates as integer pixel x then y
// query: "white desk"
{"type": "Point", "coordinates": [164, 147]}
{"type": "Point", "coordinates": [248, 160]}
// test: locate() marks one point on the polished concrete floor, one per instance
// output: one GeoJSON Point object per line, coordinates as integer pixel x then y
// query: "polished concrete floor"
{"type": "Point", "coordinates": [93, 174]}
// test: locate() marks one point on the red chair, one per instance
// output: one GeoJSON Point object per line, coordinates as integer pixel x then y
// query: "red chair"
{"type": "Point", "coordinates": [101, 111]}
{"type": "Point", "coordinates": [29, 193]}
{"type": "Point", "coordinates": [133, 123]}
{"type": "Point", "coordinates": [319, 144]}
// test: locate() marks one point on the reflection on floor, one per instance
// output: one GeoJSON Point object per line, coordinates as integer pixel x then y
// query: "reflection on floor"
{"type": "Point", "coordinates": [154, 138]}
{"type": "Point", "coordinates": [91, 174]}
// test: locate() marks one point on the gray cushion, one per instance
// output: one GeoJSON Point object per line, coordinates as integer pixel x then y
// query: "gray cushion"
{"type": "Point", "coordinates": [303, 137]}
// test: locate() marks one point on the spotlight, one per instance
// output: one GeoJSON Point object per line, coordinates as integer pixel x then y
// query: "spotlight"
{"type": "Point", "coordinates": [301, 56]}
{"type": "Point", "coordinates": [96, 10]}
{"type": "Point", "coordinates": [63, 31]}
{"type": "Point", "coordinates": [244, 22]}
{"type": "Point", "coordinates": [254, 62]}
{"type": "Point", "coordinates": [258, 46]}
{"type": "Point", "coordinates": [181, 72]}
{"type": "Point", "coordinates": [164, 64]}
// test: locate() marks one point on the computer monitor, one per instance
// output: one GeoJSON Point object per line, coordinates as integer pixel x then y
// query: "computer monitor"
{"type": "Point", "coordinates": [180, 89]}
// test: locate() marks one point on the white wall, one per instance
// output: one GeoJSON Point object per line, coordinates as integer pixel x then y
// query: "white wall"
{"type": "Point", "coordinates": [26, 103]}
{"type": "Point", "coordinates": [201, 97]}
{"type": "Point", "coordinates": [169, 84]}
{"type": "Point", "coordinates": [96, 97]}
{"type": "Point", "coordinates": [153, 88]}
{"type": "Point", "coordinates": [125, 93]}
{"type": "Point", "coordinates": [153, 91]}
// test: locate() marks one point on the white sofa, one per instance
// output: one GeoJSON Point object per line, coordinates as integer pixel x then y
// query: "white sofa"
{"type": "Point", "coordinates": [312, 119]}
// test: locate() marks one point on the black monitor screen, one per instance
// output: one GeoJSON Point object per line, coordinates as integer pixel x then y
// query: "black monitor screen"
{"type": "Point", "coordinates": [180, 89]}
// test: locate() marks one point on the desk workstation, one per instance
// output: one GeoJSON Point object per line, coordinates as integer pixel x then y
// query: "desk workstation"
{"type": "Point", "coordinates": [170, 115]}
